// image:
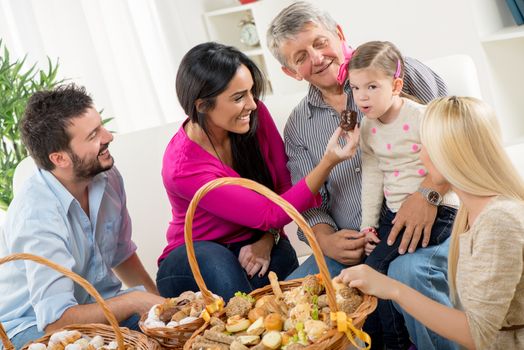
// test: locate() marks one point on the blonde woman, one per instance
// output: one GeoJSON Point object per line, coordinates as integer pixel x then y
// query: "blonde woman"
{"type": "Point", "coordinates": [462, 147]}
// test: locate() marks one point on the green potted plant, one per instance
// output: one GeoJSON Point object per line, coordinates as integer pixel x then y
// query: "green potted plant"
{"type": "Point", "coordinates": [17, 84]}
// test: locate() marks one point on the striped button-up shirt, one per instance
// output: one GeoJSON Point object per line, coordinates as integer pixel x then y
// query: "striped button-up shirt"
{"type": "Point", "coordinates": [311, 124]}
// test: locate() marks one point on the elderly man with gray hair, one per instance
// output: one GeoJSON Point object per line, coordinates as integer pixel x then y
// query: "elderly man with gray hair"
{"type": "Point", "coordinates": [311, 46]}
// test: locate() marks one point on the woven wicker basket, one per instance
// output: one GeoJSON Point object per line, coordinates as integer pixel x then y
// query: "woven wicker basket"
{"type": "Point", "coordinates": [171, 337]}
{"type": "Point", "coordinates": [125, 338]}
{"type": "Point", "coordinates": [333, 339]}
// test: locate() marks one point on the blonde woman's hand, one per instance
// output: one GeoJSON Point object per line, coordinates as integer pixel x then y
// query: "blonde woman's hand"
{"type": "Point", "coordinates": [369, 281]}
{"type": "Point", "coordinates": [335, 152]}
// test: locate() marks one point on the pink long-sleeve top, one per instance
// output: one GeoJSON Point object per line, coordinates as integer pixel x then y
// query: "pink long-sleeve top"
{"type": "Point", "coordinates": [229, 213]}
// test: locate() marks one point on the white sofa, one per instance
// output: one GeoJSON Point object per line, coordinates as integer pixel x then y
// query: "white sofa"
{"type": "Point", "coordinates": [138, 156]}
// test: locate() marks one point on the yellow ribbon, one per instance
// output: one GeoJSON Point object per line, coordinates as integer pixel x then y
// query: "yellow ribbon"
{"type": "Point", "coordinates": [345, 325]}
{"type": "Point", "coordinates": [216, 305]}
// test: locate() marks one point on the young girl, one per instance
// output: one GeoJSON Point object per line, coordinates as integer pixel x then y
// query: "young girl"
{"type": "Point", "coordinates": [391, 168]}
{"type": "Point", "coordinates": [462, 147]}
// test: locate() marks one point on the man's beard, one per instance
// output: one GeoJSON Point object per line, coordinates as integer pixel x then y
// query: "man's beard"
{"type": "Point", "coordinates": [86, 169]}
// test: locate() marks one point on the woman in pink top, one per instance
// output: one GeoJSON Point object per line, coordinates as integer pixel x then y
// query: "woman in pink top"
{"type": "Point", "coordinates": [230, 133]}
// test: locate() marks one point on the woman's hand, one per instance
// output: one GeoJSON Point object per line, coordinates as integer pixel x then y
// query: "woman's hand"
{"type": "Point", "coordinates": [335, 153]}
{"type": "Point", "coordinates": [255, 257]}
{"type": "Point", "coordinates": [369, 281]}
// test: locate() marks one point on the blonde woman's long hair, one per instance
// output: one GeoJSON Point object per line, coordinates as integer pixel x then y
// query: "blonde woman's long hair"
{"type": "Point", "coordinates": [463, 141]}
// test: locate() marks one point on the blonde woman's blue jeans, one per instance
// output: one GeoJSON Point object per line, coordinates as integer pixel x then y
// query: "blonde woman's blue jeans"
{"type": "Point", "coordinates": [426, 271]}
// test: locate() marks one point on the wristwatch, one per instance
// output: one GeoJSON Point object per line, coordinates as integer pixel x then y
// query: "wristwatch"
{"type": "Point", "coordinates": [432, 196]}
{"type": "Point", "coordinates": [276, 234]}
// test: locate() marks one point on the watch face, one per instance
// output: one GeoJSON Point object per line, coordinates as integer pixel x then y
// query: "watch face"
{"type": "Point", "coordinates": [248, 34]}
{"type": "Point", "coordinates": [434, 197]}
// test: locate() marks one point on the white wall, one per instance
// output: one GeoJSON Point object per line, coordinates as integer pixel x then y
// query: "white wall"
{"type": "Point", "coordinates": [431, 29]}
{"type": "Point", "coordinates": [503, 44]}
{"type": "Point", "coordinates": [127, 52]}
{"type": "Point", "coordinates": [117, 49]}
{"type": "Point", "coordinates": [421, 29]}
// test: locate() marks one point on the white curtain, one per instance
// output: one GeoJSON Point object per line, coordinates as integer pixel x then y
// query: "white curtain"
{"type": "Point", "coordinates": [125, 52]}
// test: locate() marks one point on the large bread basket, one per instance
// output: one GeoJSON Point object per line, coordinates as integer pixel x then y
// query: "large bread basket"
{"type": "Point", "coordinates": [334, 339]}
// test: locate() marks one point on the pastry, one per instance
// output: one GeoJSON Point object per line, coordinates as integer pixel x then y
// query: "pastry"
{"type": "Point", "coordinates": [239, 305]}
{"type": "Point", "coordinates": [312, 285]}
{"type": "Point", "coordinates": [292, 319]}
{"type": "Point", "coordinates": [348, 120]}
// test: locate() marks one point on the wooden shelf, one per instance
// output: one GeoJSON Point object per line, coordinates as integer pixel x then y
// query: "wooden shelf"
{"type": "Point", "coordinates": [502, 43]}
{"type": "Point", "coordinates": [223, 26]}
{"type": "Point", "coordinates": [515, 32]}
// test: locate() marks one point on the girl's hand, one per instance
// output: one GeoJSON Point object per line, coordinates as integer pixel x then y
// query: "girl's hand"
{"type": "Point", "coordinates": [371, 241]}
{"type": "Point", "coordinates": [335, 153]}
{"type": "Point", "coordinates": [369, 281]}
{"type": "Point", "coordinates": [255, 257]}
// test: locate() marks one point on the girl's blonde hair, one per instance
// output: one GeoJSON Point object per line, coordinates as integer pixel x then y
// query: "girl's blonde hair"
{"type": "Point", "coordinates": [381, 55]}
{"type": "Point", "coordinates": [463, 140]}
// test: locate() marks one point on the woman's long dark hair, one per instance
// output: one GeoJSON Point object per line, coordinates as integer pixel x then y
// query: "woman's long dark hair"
{"type": "Point", "coordinates": [204, 73]}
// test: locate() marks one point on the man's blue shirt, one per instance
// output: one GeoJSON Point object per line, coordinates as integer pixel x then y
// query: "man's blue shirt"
{"type": "Point", "coordinates": [46, 220]}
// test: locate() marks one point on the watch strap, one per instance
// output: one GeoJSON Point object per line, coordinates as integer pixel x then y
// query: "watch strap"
{"type": "Point", "coordinates": [276, 234]}
{"type": "Point", "coordinates": [428, 193]}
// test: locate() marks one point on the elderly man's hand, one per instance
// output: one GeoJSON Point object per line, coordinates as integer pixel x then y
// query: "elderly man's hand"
{"type": "Point", "coordinates": [417, 216]}
{"type": "Point", "coordinates": [344, 246]}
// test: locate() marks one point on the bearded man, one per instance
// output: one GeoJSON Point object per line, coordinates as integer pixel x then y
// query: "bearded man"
{"type": "Point", "coordinates": [73, 212]}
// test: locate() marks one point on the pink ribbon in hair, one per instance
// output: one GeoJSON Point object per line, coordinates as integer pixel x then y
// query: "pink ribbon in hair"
{"type": "Point", "coordinates": [399, 70]}
{"type": "Point", "coordinates": [343, 69]}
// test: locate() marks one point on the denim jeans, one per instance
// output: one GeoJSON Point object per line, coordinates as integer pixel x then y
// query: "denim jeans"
{"type": "Point", "coordinates": [426, 271]}
{"type": "Point", "coordinates": [32, 333]}
{"type": "Point", "coordinates": [309, 267]}
{"type": "Point", "coordinates": [220, 269]}
{"type": "Point", "coordinates": [384, 254]}
{"type": "Point", "coordinates": [386, 321]}
{"type": "Point", "coordinates": [25, 336]}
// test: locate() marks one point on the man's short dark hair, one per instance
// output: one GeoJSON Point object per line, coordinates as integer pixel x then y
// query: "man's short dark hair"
{"type": "Point", "coordinates": [46, 119]}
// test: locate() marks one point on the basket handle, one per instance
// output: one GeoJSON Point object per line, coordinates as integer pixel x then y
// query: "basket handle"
{"type": "Point", "coordinates": [5, 339]}
{"type": "Point", "coordinates": [78, 279]}
{"type": "Point", "coordinates": [285, 205]}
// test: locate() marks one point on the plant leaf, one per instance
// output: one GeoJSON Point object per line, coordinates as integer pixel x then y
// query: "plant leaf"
{"type": "Point", "coordinates": [17, 84]}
